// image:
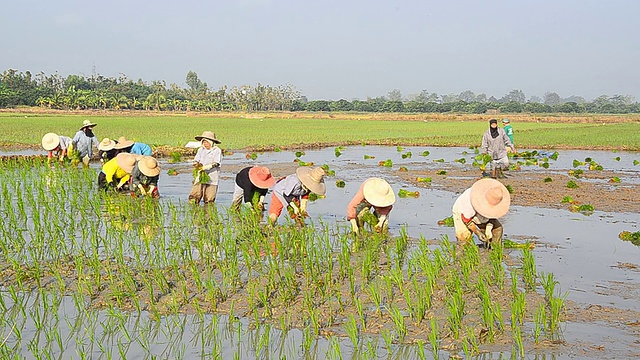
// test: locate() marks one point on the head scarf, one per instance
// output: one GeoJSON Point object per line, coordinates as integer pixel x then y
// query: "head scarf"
{"type": "Point", "coordinates": [494, 132]}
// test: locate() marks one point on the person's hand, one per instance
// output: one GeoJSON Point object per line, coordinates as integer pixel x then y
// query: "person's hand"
{"type": "Point", "coordinates": [197, 165]}
{"type": "Point", "coordinates": [142, 190]}
{"type": "Point", "coordinates": [381, 223]}
{"type": "Point", "coordinates": [474, 228]}
{"type": "Point", "coordinates": [295, 208]}
{"type": "Point", "coordinates": [488, 231]}
{"type": "Point", "coordinates": [354, 226]}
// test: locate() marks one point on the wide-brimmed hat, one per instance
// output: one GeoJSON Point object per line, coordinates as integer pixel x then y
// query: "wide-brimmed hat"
{"type": "Point", "coordinates": [50, 141]}
{"type": "Point", "coordinates": [261, 177]}
{"type": "Point", "coordinates": [149, 166]}
{"type": "Point", "coordinates": [106, 144]}
{"type": "Point", "coordinates": [126, 161]}
{"type": "Point", "coordinates": [208, 135]}
{"type": "Point", "coordinates": [378, 192]}
{"type": "Point", "coordinates": [505, 121]}
{"type": "Point", "coordinates": [490, 198]}
{"type": "Point", "coordinates": [87, 123]}
{"type": "Point", "coordinates": [123, 143]}
{"type": "Point", "coordinates": [313, 179]}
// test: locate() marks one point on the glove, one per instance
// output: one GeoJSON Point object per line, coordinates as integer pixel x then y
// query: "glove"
{"type": "Point", "coordinates": [354, 226]}
{"type": "Point", "coordinates": [474, 228]}
{"type": "Point", "coordinates": [85, 160]}
{"type": "Point", "coordinates": [295, 208]}
{"type": "Point", "coordinates": [381, 223]}
{"type": "Point", "coordinates": [261, 203]}
{"type": "Point", "coordinates": [488, 232]}
{"type": "Point", "coordinates": [142, 190]}
{"type": "Point", "coordinates": [210, 166]}
{"type": "Point", "coordinates": [303, 205]}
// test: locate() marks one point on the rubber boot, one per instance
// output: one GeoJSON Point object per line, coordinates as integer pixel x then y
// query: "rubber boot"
{"type": "Point", "coordinates": [500, 174]}
{"type": "Point", "coordinates": [494, 173]}
{"type": "Point", "coordinates": [496, 232]}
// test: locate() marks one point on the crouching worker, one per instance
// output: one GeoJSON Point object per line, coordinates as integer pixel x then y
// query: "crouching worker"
{"type": "Point", "coordinates": [116, 172]}
{"type": "Point", "coordinates": [293, 192]}
{"type": "Point", "coordinates": [144, 177]}
{"type": "Point", "coordinates": [252, 181]}
{"type": "Point", "coordinates": [58, 146]}
{"type": "Point", "coordinates": [376, 194]}
{"type": "Point", "coordinates": [477, 209]}
{"type": "Point", "coordinates": [107, 150]}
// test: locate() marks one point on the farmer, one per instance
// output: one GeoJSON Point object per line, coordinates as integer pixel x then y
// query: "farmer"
{"type": "Point", "coordinates": [84, 141]}
{"type": "Point", "coordinates": [136, 148]}
{"type": "Point", "coordinates": [58, 144]}
{"type": "Point", "coordinates": [207, 169]}
{"type": "Point", "coordinates": [494, 141]}
{"type": "Point", "coordinates": [144, 177]}
{"type": "Point", "coordinates": [116, 172]}
{"type": "Point", "coordinates": [293, 191]}
{"type": "Point", "coordinates": [106, 150]}
{"type": "Point", "coordinates": [376, 194]}
{"type": "Point", "coordinates": [477, 209]}
{"type": "Point", "coordinates": [252, 181]}
{"type": "Point", "coordinates": [508, 129]}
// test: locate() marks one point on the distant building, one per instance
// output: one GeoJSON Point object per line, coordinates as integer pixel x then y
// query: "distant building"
{"type": "Point", "coordinates": [492, 111]}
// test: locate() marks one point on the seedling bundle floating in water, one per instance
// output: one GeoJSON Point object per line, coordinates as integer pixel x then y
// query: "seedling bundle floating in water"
{"type": "Point", "coordinates": [423, 180]}
{"type": "Point", "coordinates": [386, 163]}
{"type": "Point", "coordinates": [367, 157]}
{"type": "Point", "coordinates": [406, 155]}
{"type": "Point", "coordinates": [403, 193]}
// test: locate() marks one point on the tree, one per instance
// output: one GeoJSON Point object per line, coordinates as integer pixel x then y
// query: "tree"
{"type": "Point", "coordinates": [394, 95]}
{"type": "Point", "coordinates": [194, 83]}
{"type": "Point", "coordinates": [551, 98]}
{"type": "Point", "coordinates": [467, 96]}
{"type": "Point", "coordinates": [340, 105]}
{"type": "Point", "coordinates": [514, 95]}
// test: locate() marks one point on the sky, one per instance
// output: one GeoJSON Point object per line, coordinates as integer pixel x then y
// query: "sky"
{"type": "Point", "coordinates": [334, 49]}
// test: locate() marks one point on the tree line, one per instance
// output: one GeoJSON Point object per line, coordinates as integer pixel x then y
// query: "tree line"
{"type": "Point", "coordinates": [77, 92]}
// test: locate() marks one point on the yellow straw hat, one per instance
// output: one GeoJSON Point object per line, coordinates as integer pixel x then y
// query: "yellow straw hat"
{"type": "Point", "coordinates": [50, 141]}
{"type": "Point", "coordinates": [208, 135]}
{"type": "Point", "coordinates": [126, 161]}
{"type": "Point", "coordinates": [149, 166]}
{"type": "Point", "coordinates": [313, 179]}
{"type": "Point", "coordinates": [106, 144]}
{"type": "Point", "coordinates": [378, 192]}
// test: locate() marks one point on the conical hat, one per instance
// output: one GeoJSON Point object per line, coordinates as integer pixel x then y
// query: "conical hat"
{"type": "Point", "coordinates": [87, 123]}
{"type": "Point", "coordinates": [261, 177]}
{"type": "Point", "coordinates": [313, 179]}
{"type": "Point", "coordinates": [149, 166]}
{"type": "Point", "coordinates": [126, 162]}
{"type": "Point", "coordinates": [106, 144]}
{"type": "Point", "coordinates": [208, 135]}
{"type": "Point", "coordinates": [490, 198]}
{"type": "Point", "coordinates": [123, 143]}
{"type": "Point", "coordinates": [378, 192]}
{"type": "Point", "coordinates": [50, 141]}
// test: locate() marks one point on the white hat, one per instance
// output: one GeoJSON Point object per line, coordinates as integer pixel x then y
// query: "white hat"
{"type": "Point", "coordinates": [50, 141]}
{"type": "Point", "coordinates": [149, 166]}
{"type": "Point", "coordinates": [106, 144]}
{"type": "Point", "coordinates": [313, 179]}
{"type": "Point", "coordinates": [87, 123]}
{"type": "Point", "coordinates": [378, 192]}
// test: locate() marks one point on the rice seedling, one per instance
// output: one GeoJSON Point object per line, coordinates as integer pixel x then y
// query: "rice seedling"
{"type": "Point", "coordinates": [424, 180]}
{"type": "Point", "coordinates": [407, 155]}
{"type": "Point", "coordinates": [367, 157]}
{"type": "Point", "coordinates": [433, 337]}
{"type": "Point", "coordinates": [386, 163]}
{"type": "Point", "coordinates": [441, 172]}
{"type": "Point", "coordinates": [615, 180]}
{"type": "Point", "coordinates": [398, 320]}
{"type": "Point", "coordinates": [425, 153]}
{"type": "Point", "coordinates": [516, 332]}
{"type": "Point", "coordinates": [461, 160]}
{"type": "Point", "coordinates": [528, 269]}
{"type": "Point", "coordinates": [539, 322]}
{"type": "Point", "coordinates": [586, 209]}
{"type": "Point", "coordinates": [547, 180]}
{"type": "Point", "coordinates": [403, 193]}
{"type": "Point", "coordinates": [351, 328]}
{"type": "Point", "coordinates": [299, 154]}
{"type": "Point", "coordinates": [403, 169]}
{"type": "Point", "coordinates": [455, 306]}
{"type": "Point", "coordinates": [636, 162]}
{"type": "Point", "coordinates": [387, 336]}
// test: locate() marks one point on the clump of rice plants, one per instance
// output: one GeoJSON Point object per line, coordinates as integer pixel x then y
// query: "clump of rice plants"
{"type": "Point", "coordinates": [572, 184]}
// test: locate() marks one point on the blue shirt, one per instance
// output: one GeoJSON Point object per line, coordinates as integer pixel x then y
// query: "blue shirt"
{"type": "Point", "coordinates": [141, 149]}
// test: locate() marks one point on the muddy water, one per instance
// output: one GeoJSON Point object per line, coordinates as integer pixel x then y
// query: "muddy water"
{"type": "Point", "coordinates": [582, 251]}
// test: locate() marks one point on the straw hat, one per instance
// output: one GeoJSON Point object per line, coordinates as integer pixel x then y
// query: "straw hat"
{"type": "Point", "coordinates": [313, 179]}
{"type": "Point", "coordinates": [50, 141]}
{"type": "Point", "coordinates": [208, 135]}
{"type": "Point", "coordinates": [123, 143]}
{"type": "Point", "coordinates": [126, 162]}
{"type": "Point", "coordinates": [378, 192]}
{"type": "Point", "coordinates": [149, 166]}
{"type": "Point", "coordinates": [87, 123]}
{"type": "Point", "coordinates": [490, 198]}
{"type": "Point", "coordinates": [261, 177]}
{"type": "Point", "coordinates": [106, 144]}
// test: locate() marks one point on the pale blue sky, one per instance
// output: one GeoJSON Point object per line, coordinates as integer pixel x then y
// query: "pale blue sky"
{"type": "Point", "coordinates": [337, 49]}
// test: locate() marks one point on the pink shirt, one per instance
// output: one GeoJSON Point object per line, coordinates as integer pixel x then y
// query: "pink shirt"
{"type": "Point", "coordinates": [358, 199]}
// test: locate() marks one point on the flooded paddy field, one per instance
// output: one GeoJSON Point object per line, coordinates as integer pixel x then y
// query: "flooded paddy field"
{"type": "Point", "coordinates": [121, 277]}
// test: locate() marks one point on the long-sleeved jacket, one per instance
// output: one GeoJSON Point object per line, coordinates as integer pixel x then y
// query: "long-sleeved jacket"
{"type": "Point", "coordinates": [496, 147]}
{"type": "Point", "coordinates": [84, 144]}
{"type": "Point", "coordinates": [113, 172]}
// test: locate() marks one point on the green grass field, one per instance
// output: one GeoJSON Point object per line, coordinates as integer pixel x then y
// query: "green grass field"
{"type": "Point", "coordinates": [239, 133]}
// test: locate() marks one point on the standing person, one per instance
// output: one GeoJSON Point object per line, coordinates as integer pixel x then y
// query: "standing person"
{"type": "Point", "coordinates": [477, 209]}
{"type": "Point", "coordinates": [84, 141]}
{"type": "Point", "coordinates": [494, 141]}
{"type": "Point", "coordinates": [116, 172]}
{"type": "Point", "coordinates": [508, 129]}
{"type": "Point", "coordinates": [106, 150]}
{"type": "Point", "coordinates": [376, 194]}
{"type": "Point", "coordinates": [57, 145]}
{"type": "Point", "coordinates": [206, 169]}
{"type": "Point", "coordinates": [250, 181]}
{"type": "Point", "coordinates": [293, 191]}
{"type": "Point", "coordinates": [144, 177]}
{"type": "Point", "coordinates": [136, 148]}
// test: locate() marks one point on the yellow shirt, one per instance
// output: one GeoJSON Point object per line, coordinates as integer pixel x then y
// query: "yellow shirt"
{"type": "Point", "coordinates": [113, 171]}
